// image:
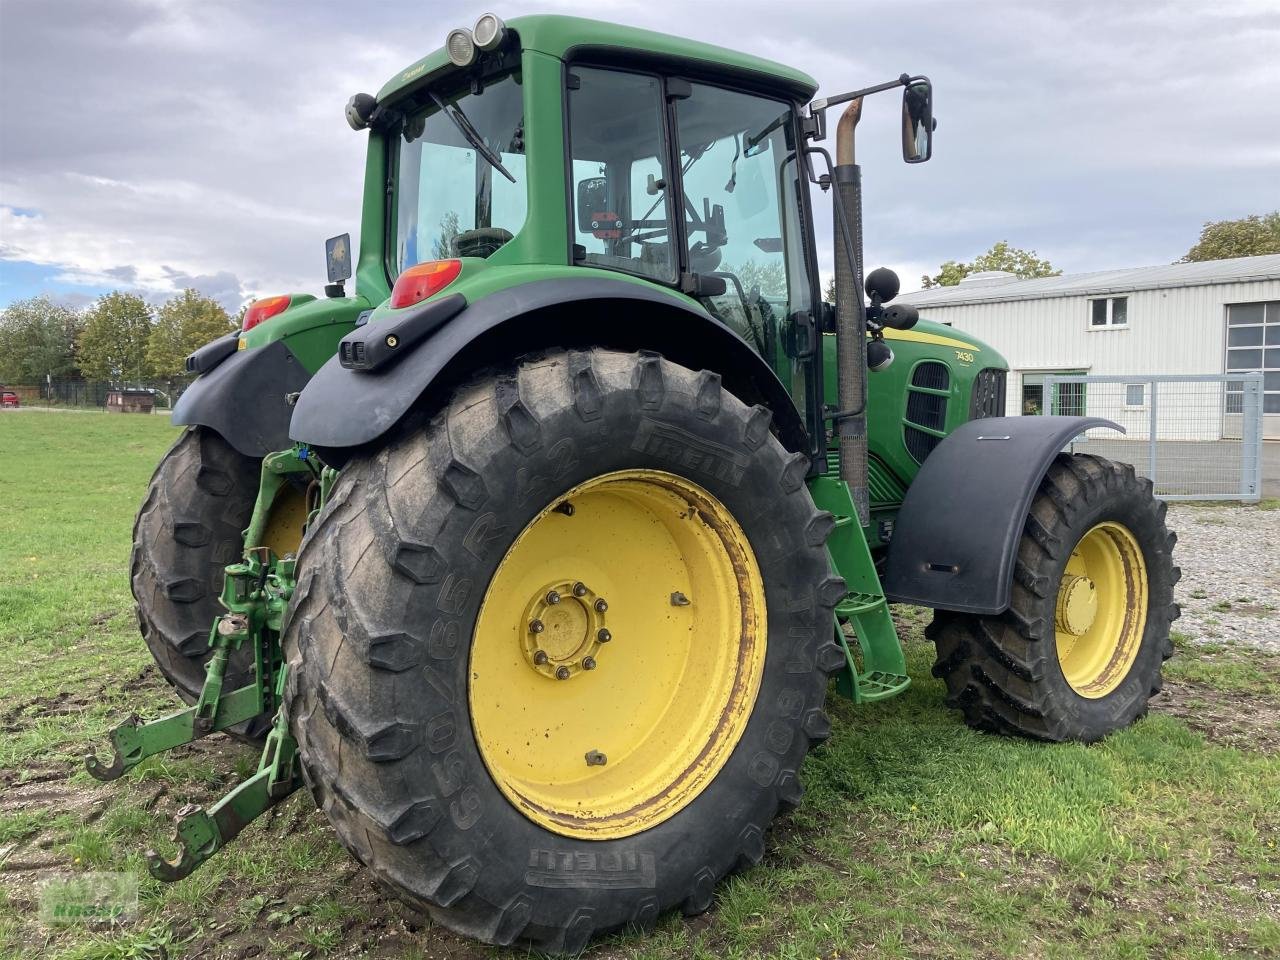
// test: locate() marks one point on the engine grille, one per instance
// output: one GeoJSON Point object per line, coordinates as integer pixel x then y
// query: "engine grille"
{"type": "Point", "coordinates": [988, 394]}
{"type": "Point", "coordinates": [926, 408]}
{"type": "Point", "coordinates": [932, 376]}
{"type": "Point", "coordinates": [919, 444]}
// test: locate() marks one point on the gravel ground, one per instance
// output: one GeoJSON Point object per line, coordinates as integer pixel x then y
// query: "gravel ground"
{"type": "Point", "coordinates": [1230, 560]}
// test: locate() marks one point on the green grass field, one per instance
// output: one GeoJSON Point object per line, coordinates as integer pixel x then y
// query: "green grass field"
{"type": "Point", "coordinates": [917, 837]}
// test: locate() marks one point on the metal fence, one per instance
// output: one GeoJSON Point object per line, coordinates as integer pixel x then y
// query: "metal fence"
{"type": "Point", "coordinates": [89, 394]}
{"type": "Point", "coordinates": [1197, 437]}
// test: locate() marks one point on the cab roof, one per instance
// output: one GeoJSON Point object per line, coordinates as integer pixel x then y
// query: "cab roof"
{"type": "Point", "coordinates": [577, 38]}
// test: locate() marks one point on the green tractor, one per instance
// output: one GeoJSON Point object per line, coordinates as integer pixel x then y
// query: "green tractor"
{"type": "Point", "coordinates": [532, 558]}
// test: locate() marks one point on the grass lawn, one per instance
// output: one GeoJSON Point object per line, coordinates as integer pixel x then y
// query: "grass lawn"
{"type": "Point", "coordinates": [917, 837]}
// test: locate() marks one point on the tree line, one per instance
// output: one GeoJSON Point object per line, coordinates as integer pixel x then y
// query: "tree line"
{"type": "Point", "coordinates": [120, 338]}
{"type": "Point", "coordinates": [1252, 236]}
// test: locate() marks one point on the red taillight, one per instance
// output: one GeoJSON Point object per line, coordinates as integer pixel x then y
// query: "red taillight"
{"type": "Point", "coordinates": [421, 281]}
{"type": "Point", "coordinates": [261, 310]}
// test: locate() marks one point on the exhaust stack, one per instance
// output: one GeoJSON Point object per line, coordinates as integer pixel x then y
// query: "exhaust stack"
{"type": "Point", "coordinates": [851, 350]}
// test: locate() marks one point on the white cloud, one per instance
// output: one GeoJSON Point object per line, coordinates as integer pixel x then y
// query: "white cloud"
{"type": "Point", "coordinates": [165, 140]}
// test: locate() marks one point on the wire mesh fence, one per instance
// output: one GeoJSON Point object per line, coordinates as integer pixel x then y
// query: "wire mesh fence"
{"type": "Point", "coordinates": [1197, 437]}
{"type": "Point", "coordinates": [133, 397]}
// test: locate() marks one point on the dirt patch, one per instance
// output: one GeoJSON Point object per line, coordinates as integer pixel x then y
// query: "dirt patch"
{"type": "Point", "coordinates": [1241, 720]}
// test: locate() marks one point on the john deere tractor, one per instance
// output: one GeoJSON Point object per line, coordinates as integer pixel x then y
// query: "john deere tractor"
{"type": "Point", "coordinates": [532, 558]}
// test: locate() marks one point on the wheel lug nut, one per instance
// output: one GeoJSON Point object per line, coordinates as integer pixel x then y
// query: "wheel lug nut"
{"type": "Point", "coordinates": [536, 626]}
{"type": "Point", "coordinates": [604, 636]}
{"type": "Point", "coordinates": [596, 759]}
{"type": "Point", "coordinates": [553, 597]}
{"type": "Point", "coordinates": [579, 589]}
{"type": "Point", "coordinates": [566, 508]}
{"type": "Point", "coordinates": [678, 599]}
{"type": "Point", "coordinates": [588, 663]}
{"type": "Point", "coordinates": [540, 657]}
{"type": "Point", "coordinates": [601, 606]}
{"type": "Point", "coordinates": [562, 673]}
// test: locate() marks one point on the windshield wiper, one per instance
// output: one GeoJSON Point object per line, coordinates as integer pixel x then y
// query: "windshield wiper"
{"type": "Point", "coordinates": [454, 113]}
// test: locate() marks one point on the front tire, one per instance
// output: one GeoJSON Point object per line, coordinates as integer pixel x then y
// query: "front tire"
{"type": "Point", "coordinates": [1079, 652]}
{"type": "Point", "coordinates": [444, 781]}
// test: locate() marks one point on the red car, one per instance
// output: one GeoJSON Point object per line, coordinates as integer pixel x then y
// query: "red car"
{"type": "Point", "coordinates": [8, 399]}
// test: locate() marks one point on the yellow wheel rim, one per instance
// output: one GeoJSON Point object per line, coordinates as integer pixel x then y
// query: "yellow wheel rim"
{"type": "Point", "coordinates": [1101, 610]}
{"type": "Point", "coordinates": [618, 654]}
{"type": "Point", "coordinates": [285, 524]}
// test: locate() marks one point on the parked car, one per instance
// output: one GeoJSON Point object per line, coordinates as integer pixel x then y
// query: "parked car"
{"type": "Point", "coordinates": [9, 399]}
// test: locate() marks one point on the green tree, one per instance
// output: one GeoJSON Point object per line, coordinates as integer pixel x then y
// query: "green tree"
{"type": "Point", "coordinates": [1253, 236]}
{"type": "Point", "coordinates": [183, 324]}
{"type": "Point", "coordinates": [113, 345]}
{"type": "Point", "coordinates": [770, 278]}
{"type": "Point", "coordinates": [450, 227]}
{"type": "Point", "coordinates": [1023, 264]}
{"type": "Point", "coordinates": [37, 339]}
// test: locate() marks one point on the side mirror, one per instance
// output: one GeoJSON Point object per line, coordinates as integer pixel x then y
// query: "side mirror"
{"type": "Point", "coordinates": [917, 120]}
{"type": "Point", "coordinates": [593, 208]}
{"type": "Point", "coordinates": [882, 284]}
{"type": "Point", "coordinates": [337, 256]}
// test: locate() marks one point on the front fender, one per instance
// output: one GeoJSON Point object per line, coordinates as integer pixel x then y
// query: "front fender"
{"type": "Point", "coordinates": [342, 408]}
{"type": "Point", "coordinates": [956, 535]}
{"type": "Point", "coordinates": [244, 398]}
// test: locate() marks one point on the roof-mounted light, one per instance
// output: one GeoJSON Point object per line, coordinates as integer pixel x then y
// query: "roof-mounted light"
{"type": "Point", "coordinates": [460, 47]}
{"type": "Point", "coordinates": [489, 32]}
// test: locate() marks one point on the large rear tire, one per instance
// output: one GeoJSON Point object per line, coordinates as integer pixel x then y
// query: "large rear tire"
{"type": "Point", "coordinates": [188, 530]}
{"type": "Point", "coordinates": [475, 761]}
{"type": "Point", "coordinates": [1079, 652]}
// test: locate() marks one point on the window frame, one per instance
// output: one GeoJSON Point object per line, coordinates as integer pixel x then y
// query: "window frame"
{"type": "Point", "coordinates": [665, 72]}
{"type": "Point", "coordinates": [1142, 402]}
{"type": "Point", "coordinates": [671, 165]}
{"type": "Point", "coordinates": [491, 72]}
{"type": "Point", "coordinates": [1110, 323]}
{"type": "Point", "coordinates": [1269, 320]}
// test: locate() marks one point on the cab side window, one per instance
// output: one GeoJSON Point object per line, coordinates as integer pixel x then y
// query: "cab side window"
{"type": "Point", "coordinates": [621, 211]}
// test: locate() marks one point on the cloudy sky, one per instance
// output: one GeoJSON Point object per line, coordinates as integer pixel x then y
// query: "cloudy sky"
{"type": "Point", "coordinates": [158, 144]}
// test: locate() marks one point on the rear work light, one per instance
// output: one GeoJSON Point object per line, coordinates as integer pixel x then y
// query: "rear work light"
{"type": "Point", "coordinates": [423, 280]}
{"type": "Point", "coordinates": [261, 310]}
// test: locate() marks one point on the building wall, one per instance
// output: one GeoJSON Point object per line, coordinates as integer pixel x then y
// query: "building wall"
{"type": "Point", "coordinates": [1169, 331]}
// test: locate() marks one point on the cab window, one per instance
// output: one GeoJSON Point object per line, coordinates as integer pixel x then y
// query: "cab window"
{"type": "Point", "coordinates": [621, 210]}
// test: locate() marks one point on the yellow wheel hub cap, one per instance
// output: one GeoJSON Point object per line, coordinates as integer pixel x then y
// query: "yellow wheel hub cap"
{"type": "Point", "coordinates": [618, 654]}
{"type": "Point", "coordinates": [1101, 610]}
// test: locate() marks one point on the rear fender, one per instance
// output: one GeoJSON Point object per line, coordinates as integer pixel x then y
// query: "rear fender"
{"type": "Point", "coordinates": [245, 398]}
{"type": "Point", "coordinates": [956, 535]}
{"type": "Point", "coordinates": [343, 409]}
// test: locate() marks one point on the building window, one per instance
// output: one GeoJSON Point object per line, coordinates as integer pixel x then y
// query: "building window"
{"type": "Point", "coordinates": [1253, 343]}
{"type": "Point", "coordinates": [1108, 312]}
{"type": "Point", "coordinates": [1070, 399]}
{"type": "Point", "coordinates": [1135, 394]}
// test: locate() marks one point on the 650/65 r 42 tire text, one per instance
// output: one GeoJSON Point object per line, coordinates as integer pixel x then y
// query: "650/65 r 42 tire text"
{"type": "Point", "coordinates": [556, 657]}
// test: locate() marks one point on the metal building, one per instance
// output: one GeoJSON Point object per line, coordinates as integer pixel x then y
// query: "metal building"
{"type": "Point", "coordinates": [1214, 317]}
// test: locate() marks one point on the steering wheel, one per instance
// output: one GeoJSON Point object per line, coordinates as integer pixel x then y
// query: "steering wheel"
{"type": "Point", "coordinates": [481, 242]}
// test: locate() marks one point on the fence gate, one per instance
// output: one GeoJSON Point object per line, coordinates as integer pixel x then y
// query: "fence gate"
{"type": "Point", "coordinates": [1197, 437]}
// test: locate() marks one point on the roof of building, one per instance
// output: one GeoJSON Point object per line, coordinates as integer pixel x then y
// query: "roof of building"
{"type": "Point", "coordinates": [1000, 289]}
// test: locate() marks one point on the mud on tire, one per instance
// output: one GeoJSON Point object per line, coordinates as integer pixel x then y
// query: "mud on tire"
{"type": "Point", "coordinates": [1002, 672]}
{"type": "Point", "coordinates": [189, 528]}
{"type": "Point", "coordinates": [390, 582]}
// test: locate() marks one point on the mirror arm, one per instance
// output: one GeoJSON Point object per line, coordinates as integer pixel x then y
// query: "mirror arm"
{"type": "Point", "coordinates": [824, 102]}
